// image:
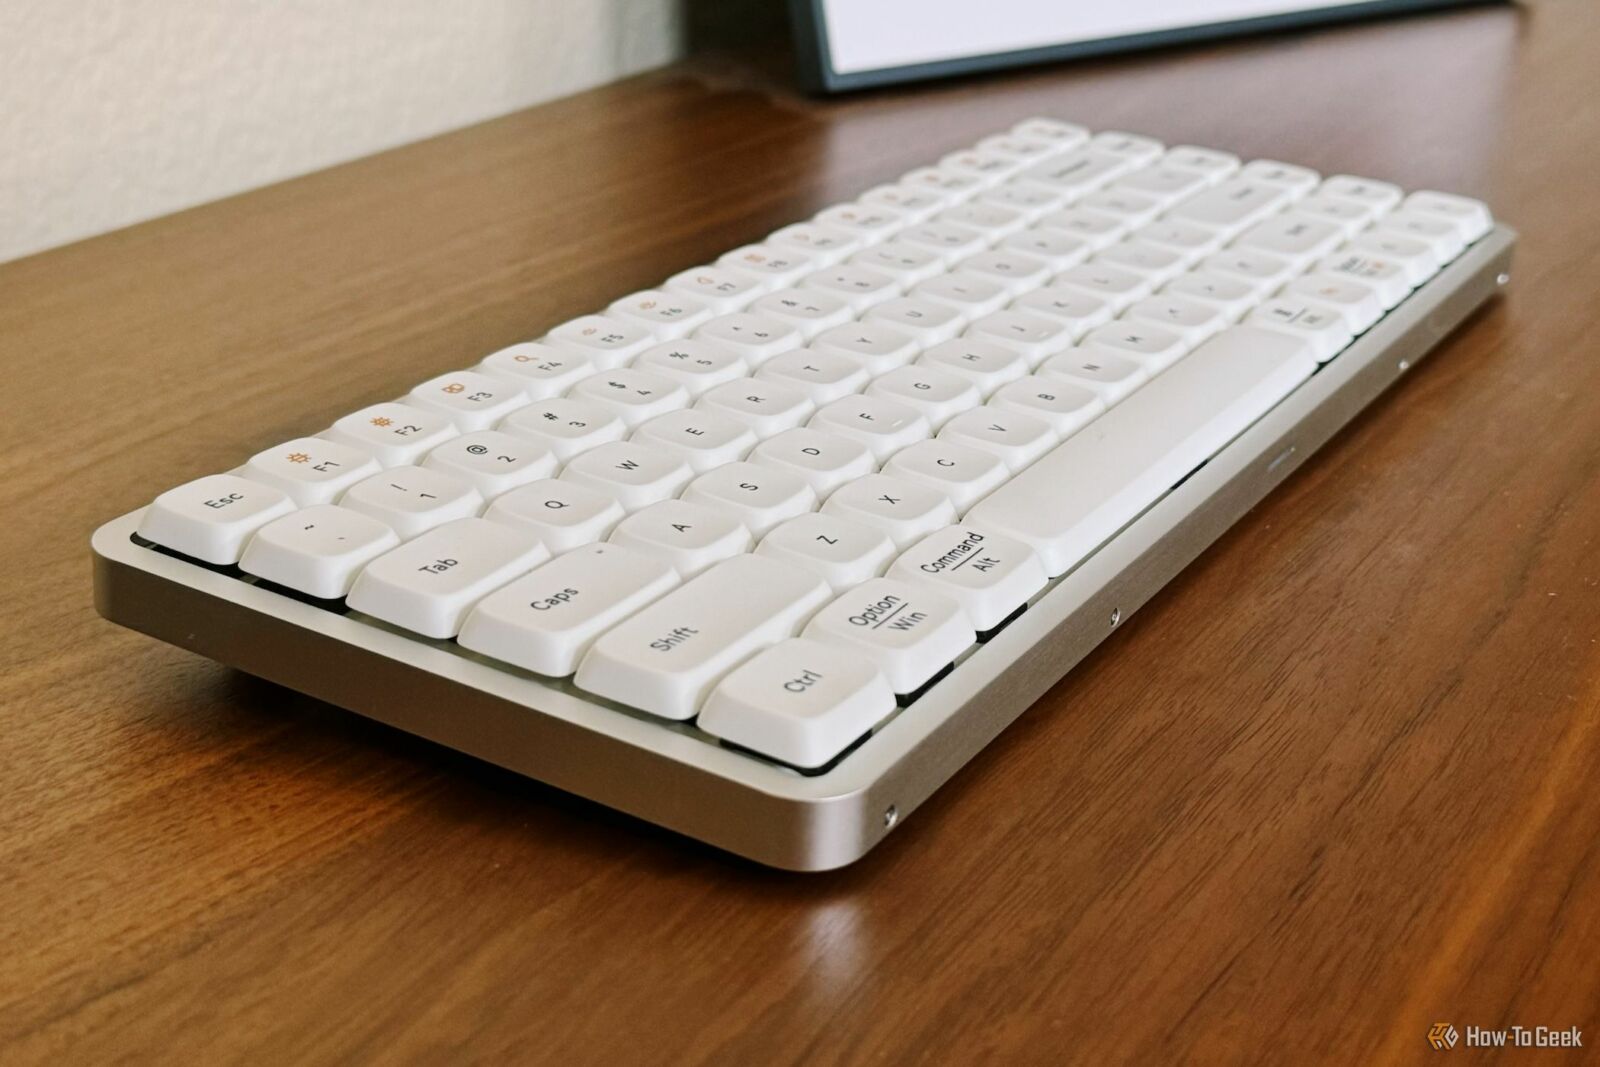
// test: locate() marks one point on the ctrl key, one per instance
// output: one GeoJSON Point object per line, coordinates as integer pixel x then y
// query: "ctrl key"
{"type": "Point", "coordinates": [211, 518]}
{"type": "Point", "coordinates": [800, 702]}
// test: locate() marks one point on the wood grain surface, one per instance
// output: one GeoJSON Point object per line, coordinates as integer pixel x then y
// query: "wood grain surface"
{"type": "Point", "coordinates": [1334, 785]}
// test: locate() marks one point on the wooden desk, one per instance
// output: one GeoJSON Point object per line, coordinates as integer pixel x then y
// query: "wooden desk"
{"type": "Point", "coordinates": [1334, 785]}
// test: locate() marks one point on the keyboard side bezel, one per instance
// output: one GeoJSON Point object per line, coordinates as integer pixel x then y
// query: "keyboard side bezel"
{"type": "Point", "coordinates": [668, 774]}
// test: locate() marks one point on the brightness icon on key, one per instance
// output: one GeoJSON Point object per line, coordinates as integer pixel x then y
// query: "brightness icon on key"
{"type": "Point", "coordinates": [381, 421]}
{"type": "Point", "coordinates": [299, 457]}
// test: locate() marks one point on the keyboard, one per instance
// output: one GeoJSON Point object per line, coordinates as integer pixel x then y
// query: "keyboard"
{"type": "Point", "coordinates": [766, 553]}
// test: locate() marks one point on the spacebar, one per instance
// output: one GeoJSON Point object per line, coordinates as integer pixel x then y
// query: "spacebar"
{"type": "Point", "coordinates": [1092, 484]}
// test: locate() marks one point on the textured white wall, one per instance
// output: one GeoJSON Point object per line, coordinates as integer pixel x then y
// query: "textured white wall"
{"type": "Point", "coordinates": [113, 111]}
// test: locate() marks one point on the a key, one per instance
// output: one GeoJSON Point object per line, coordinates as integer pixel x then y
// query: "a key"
{"type": "Point", "coordinates": [1232, 204]}
{"type": "Point", "coordinates": [635, 474]}
{"type": "Point", "coordinates": [1031, 200]}
{"type": "Point", "coordinates": [411, 500]}
{"type": "Point", "coordinates": [1230, 296]}
{"type": "Point", "coordinates": [492, 462]}
{"type": "Point", "coordinates": [949, 241]}
{"type": "Point", "coordinates": [780, 267]}
{"type": "Point", "coordinates": [858, 286]}
{"type": "Point", "coordinates": [664, 314]}
{"type": "Point", "coordinates": [317, 550]}
{"type": "Point", "coordinates": [565, 426]}
{"type": "Point", "coordinates": [990, 576]}
{"type": "Point", "coordinates": [985, 364]}
{"type": "Point", "coordinates": [973, 297]}
{"type": "Point", "coordinates": [1260, 270]}
{"type": "Point", "coordinates": [1380, 196]}
{"type": "Point", "coordinates": [1379, 273]}
{"type": "Point", "coordinates": [562, 515]}
{"type": "Point", "coordinates": [212, 517]}
{"type": "Point", "coordinates": [758, 495]}
{"type": "Point", "coordinates": [1034, 337]}
{"type": "Point", "coordinates": [542, 370]}
{"type": "Point", "coordinates": [1214, 165]}
{"type": "Point", "coordinates": [1292, 237]}
{"type": "Point", "coordinates": [876, 345]}
{"type": "Point", "coordinates": [1087, 488]}
{"type": "Point", "coordinates": [809, 311]}
{"type": "Point", "coordinates": [1441, 235]}
{"type": "Point", "coordinates": [1297, 180]}
{"type": "Point", "coordinates": [633, 395]}
{"type": "Point", "coordinates": [754, 337]}
{"type": "Point", "coordinates": [1065, 134]}
{"type": "Point", "coordinates": [961, 472]}
{"type": "Point", "coordinates": [951, 185]}
{"type": "Point", "coordinates": [826, 461]}
{"type": "Point", "coordinates": [667, 657]}
{"type": "Point", "coordinates": [825, 244]}
{"type": "Point", "coordinates": [1130, 209]}
{"type": "Point", "coordinates": [1129, 146]}
{"type": "Point", "coordinates": [1192, 320]}
{"type": "Point", "coordinates": [927, 322]}
{"type": "Point", "coordinates": [1189, 242]}
{"type": "Point", "coordinates": [871, 222]}
{"type": "Point", "coordinates": [1156, 347]}
{"type": "Point", "coordinates": [988, 167]}
{"type": "Point", "coordinates": [766, 407]}
{"type": "Point", "coordinates": [824, 376]}
{"type": "Point", "coordinates": [1076, 173]}
{"type": "Point", "coordinates": [989, 220]}
{"type": "Point", "coordinates": [1117, 286]}
{"type": "Point", "coordinates": [311, 470]}
{"type": "Point", "coordinates": [1092, 228]}
{"type": "Point", "coordinates": [1107, 376]}
{"type": "Point", "coordinates": [1319, 324]}
{"type": "Point", "coordinates": [910, 632]}
{"type": "Point", "coordinates": [1356, 301]}
{"type": "Point", "coordinates": [722, 289]}
{"type": "Point", "coordinates": [912, 204]}
{"type": "Point", "coordinates": [1073, 308]}
{"type": "Point", "coordinates": [1015, 272]}
{"type": "Point", "coordinates": [937, 393]}
{"type": "Point", "coordinates": [1066, 408]}
{"type": "Point", "coordinates": [702, 439]}
{"type": "Point", "coordinates": [395, 434]}
{"type": "Point", "coordinates": [427, 585]}
{"type": "Point", "coordinates": [472, 400]}
{"type": "Point", "coordinates": [606, 342]}
{"type": "Point", "coordinates": [1416, 260]}
{"type": "Point", "coordinates": [1054, 249]}
{"type": "Point", "coordinates": [1013, 437]}
{"type": "Point", "coordinates": [1156, 265]}
{"type": "Point", "coordinates": [799, 702]}
{"type": "Point", "coordinates": [1471, 217]}
{"type": "Point", "coordinates": [901, 509]}
{"type": "Point", "coordinates": [906, 264]}
{"type": "Point", "coordinates": [1350, 216]}
{"type": "Point", "coordinates": [1161, 182]}
{"type": "Point", "coordinates": [884, 426]}
{"type": "Point", "coordinates": [695, 365]}
{"type": "Point", "coordinates": [840, 552]}
{"type": "Point", "coordinates": [546, 620]}
{"type": "Point", "coordinates": [685, 534]}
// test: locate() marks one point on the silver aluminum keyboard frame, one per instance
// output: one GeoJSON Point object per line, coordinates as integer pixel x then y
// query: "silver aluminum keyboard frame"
{"type": "Point", "coordinates": [670, 774]}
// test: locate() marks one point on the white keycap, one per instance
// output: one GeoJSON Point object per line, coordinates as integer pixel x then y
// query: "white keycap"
{"type": "Point", "coordinates": [1380, 273]}
{"type": "Point", "coordinates": [1091, 485]}
{"type": "Point", "coordinates": [825, 244]}
{"type": "Point", "coordinates": [1156, 347]}
{"type": "Point", "coordinates": [546, 620]}
{"type": "Point", "coordinates": [1192, 320]}
{"type": "Point", "coordinates": [1416, 260]}
{"type": "Point", "coordinates": [686, 535]}
{"type": "Point", "coordinates": [473, 401]}
{"type": "Point", "coordinates": [1127, 145]}
{"type": "Point", "coordinates": [665, 314]}
{"type": "Point", "coordinates": [1072, 307]}
{"type": "Point", "coordinates": [1350, 216]}
{"type": "Point", "coordinates": [901, 509]}
{"type": "Point", "coordinates": [1322, 326]}
{"type": "Point", "coordinates": [1077, 172]}
{"type": "Point", "coordinates": [950, 241]}
{"type": "Point", "coordinates": [909, 631]}
{"type": "Point", "coordinates": [988, 167]}
{"type": "Point", "coordinates": [973, 297]}
{"type": "Point", "coordinates": [1116, 286]}
{"type": "Point", "coordinates": [879, 347]}
{"type": "Point", "coordinates": [1066, 408]}
{"type": "Point", "coordinates": [1015, 272]}
{"type": "Point", "coordinates": [754, 337]}
{"type": "Point", "coordinates": [411, 500]}
{"type": "Point", "coordinates": [870, 222]}
{"type": "Point", "coordinates": [1034, 337]}
{"type": "Point", "coordinates": [1031, 200]}
{"type": "Point", "coordinates": [1232, 204]}
{"type": "Point", "coordinates": [395, 434]}
{"type": "Point", "coordinates": [808, 310]}
{"type": "Point", "coordinates": [778, 266]}
{"type": "Point", "coordinates": [1189, 242]}
{"type": "Point", "coordinates": [1292, 237]}
{"type": "Point", "coordinates": [926, 322]}
{"type": "Point", "coordinates": [823, 376]}
{"type": "Point", "coordinates": [492, 462]}
{"type": "Point", "coordinates": [1055, 249]}
{"type": "Point", "coordinates": [990, 576]}
{"type": "Point", "coordinates": [1213, 164]}
{"type": "Point", "coordinates": [212, 517]}
{"type": "Point", "coordinates": [702, 439]}
{"type": "Point", "coordinates": [1441, 235]}
{"type": "Point", "coordinates": [766, 407]}
{"type": "Point", "coordinates": [913, 205]}
{"type": "Point", "coordinates": [1156, 265]}
{"type": "Point", "coordinates": [1470, 216]}
{"type": "Point", "coordinates": [951, 185]}
{"type": "Point", "coordinates": [758, 495]}
{"type": "Point", "coordinates": [964, 474]}
{"type": "Point", "coordinates": [562, 515]}
{"type": "Point", "coordinates": [906, 264]}
{"type": "Point", "coordinates": [566, 427]}
{"type": "Point", "coordinates": [427, 585]}
{"type": "Point", "coordinates": [1358, 302]}
{"type": "Point", "coordinates": [1260, 270]}
{"type": "Point", "coordinates": [667, 657]}
{"type": "Point", "coordinates": [826, 461]}
{"type": "Point", "coordinates": [858, 286]}
{"type": "Point", "coordinates": [1065, 134]}
{"type": "Point", "coordinates": [1130, 209]}
{"type": "Point", "coordinates": [1231, 296]}
{"type": "Point", "coordinates": [604, 341]}
{"type": "Point", "coordinates": [695, 365]}
{"type": "Point", "coordinates": [311, 470]}
{"type": "Point", "coordinates": [985, 364]}
{"type": "Point", "coordinates": [632, 472]}
{"type": "Point", "coordinates": [1107, 376]}
{"type": "Point", "coordinates": [938, 394]}
{"type": "Point", "coordinates": [990, 221]}
{"type": "Point", "coordinates": [722, 289]}
{"type": "Point", "coordinates": [635, 396]}
{"type": "Point", "coordinates": [800, 702]}
{"type": "Point", "coordinates": [840, 552]}
{"type": "Point", "coordinates": [542, 370]}
{"type": "Point", "coordinates": [1162, 182]}
{"type": "Point", "coordinates": [1013, 437]}
{"type": "Point", "coordinates": [884, 426]}
{"type": "Point", "coordinates": [1092, 228]}
{"type": "Point", "coordinates": [317, 550]}
{"type": "Point", "coordinates": [1374, 194]}
{"type": "Point", "coordinates": [1298, 180]}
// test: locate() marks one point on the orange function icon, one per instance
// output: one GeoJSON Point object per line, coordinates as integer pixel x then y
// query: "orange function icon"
{"type": "Point", "coordinates": [381, 421]}
{"type": "Point", "coordinates": [299, 457]}
{"type": "Point", "coordinates": [455, 387]}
